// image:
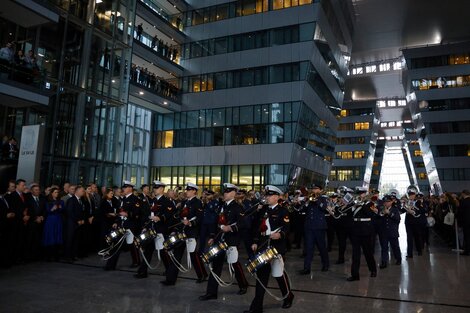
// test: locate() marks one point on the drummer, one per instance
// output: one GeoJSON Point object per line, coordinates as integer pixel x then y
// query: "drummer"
{"type": "Point", "coordinates": [158, 214]}
{"type": "Point", "coordinates": [230, 215]}
{"type": "Point", "coordinates": [190, 215]}
{"type": "Point", "coordinates": [272, 227]}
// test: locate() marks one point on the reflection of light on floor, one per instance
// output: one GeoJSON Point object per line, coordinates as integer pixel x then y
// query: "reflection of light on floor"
{"type": "Point", "coordinates": [404, 285]}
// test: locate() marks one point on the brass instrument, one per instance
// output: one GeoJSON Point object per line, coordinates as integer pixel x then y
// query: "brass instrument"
{"type": "Point", "coordinates": [409, 204]}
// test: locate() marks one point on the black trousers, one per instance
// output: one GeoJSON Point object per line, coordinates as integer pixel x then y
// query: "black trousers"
{"type": "Point", "coordinates": [74, 235]}
{"type": "Point", "coordinates": [343, 234]}
{"type": "Point", "coordinates": [414, 233]}
{"type": "Point", "coordinates": [217, 266]}
{"type": "Point", "coordinates": [263, 275]}
{"type": "Point", "coordinates": [112, 262]}
{"type": "Point", "coordinates": [330, 232]}
{"type": "Point", "coordinates": [148, 251]}
{"type": "Point", "coordinates": [364, 243]}
{"type": "Point", "coordinates": [466, 239]}
{"type": "Point", "coordinates": [172, 271]}
{"type": "Point", "coordinates": [394, 245]}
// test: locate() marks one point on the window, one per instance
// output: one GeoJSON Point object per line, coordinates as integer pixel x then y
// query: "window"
{"type": "Point", "coordinates": [391, 103]}
{"type": "Point", "coordinates": [357, 70]}
{"type": "Point", "coordinates": [384, 124]}
{"type": "Point", "coordinates": [359, 154]}
{"type": "Point", "coordinates": [371, 69]}
{"type": "Point", "coordinates": [397, 66]}
{"type": "Point", "coordinates": [361, 126]}
{"type": "Point", "coordinates": [402, 103]}
{"type": "Point", "coordinates": [384, 67]}
{"type": "Point", "coordinates": [417, 153]}
{"type": "Point", "coordinates": [381, 104]}
{"type": "Point", "coordinates": [422, 176]}
{"type": "Point", "coordinates": [391, 124]}
{"type": "Point", "coordinates": [344, 113]}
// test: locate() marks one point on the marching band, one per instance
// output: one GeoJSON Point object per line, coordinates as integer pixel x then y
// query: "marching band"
{"type": "Point", "coordinates": [153, 222]}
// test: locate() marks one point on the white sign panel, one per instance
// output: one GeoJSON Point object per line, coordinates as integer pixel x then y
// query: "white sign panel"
{"type": "Point", "coordinates": [29, 160]}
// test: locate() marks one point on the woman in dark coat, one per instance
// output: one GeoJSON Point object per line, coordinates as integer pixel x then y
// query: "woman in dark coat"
{"type": "Point", "coordinates": [52, 237]}
{"type": "Point", "coordinates": [109, 214]}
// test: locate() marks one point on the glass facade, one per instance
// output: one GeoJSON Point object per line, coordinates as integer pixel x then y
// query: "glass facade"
{"type": "Point", "coordinates": [247, 41]}
{"type": "Point", "coordinates": [265, 75]}
{"type": "Point", "coordinates": [246, 125]}
{"type": "Point", "coordinates": [435, 61]}
{"type": "Point", "coordinates": [249, 177]}
{"type": "Point", "coordinates": [238, 8]}
{"type": "Point", "coordinates": [82, 63]}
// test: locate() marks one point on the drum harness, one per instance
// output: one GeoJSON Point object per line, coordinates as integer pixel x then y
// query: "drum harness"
{"type": "Point", "coordinates": [106, 252]}
{"type": "Point", "coordinates": [217, 278]}
{"type": "Point", "coordinates": [142, 251]}
{"type": "Point", "coordinates": [286, 276]}
{"type": "Point", "coordinates": [178, 265]}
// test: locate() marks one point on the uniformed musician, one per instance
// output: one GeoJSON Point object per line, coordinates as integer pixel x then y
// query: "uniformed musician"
{"type": "Point", "coordinates": [126, 219]}
{"type": "Point", "coordinates": [271, 228]}
{"type": "Point", "coordinates": [190, 217]}
{"type": "Point", "coordinates": [388, 234]}
{"type": "Point", "coordinates": [362, 232]}
{"type": "Point", "coordinates": [229, 218]}
{"type": "Point", "coordinates": [315, 230]}
{"type": "Point", "coordinates": [159, 212]}
{"type": "Point", "coordinates": [415, 220]}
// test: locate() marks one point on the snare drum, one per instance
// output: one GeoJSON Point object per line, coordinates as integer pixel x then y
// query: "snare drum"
{"type": "Point", "coordinates": [214, 251]}
{"type": "Point", "coordinates": [114, 235]}
{"type": "Point", "coordinates": [173, 240]}
{"type": "Point", "coordinates": [261, 259]}
{"type": "Point", "coordinates": [144, 237]}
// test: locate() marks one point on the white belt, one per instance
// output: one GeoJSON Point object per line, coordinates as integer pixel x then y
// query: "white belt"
{"type": "Point", "coordinates": [362, 219]}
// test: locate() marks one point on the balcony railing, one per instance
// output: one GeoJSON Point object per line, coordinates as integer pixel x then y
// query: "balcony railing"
{"type": "Point", "coordinates": [150, 81]}
{"type": "Point", "coordinates": [26, 74]}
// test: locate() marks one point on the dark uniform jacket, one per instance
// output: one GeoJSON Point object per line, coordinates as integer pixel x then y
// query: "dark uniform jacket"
{"type": "Point", "coordinates": [163, 208]}
{"type": "Point", "coordinates": [278, 218]}
{"type": "Point", "coordinates": [315, 214]}
{"type": "Point", "coordinates": [363, 219]}
{"type": "Point", "coordinates": [391, 222]}
{"type": "Point", "coordinates": [131, 205]}
{"type": "Point", "coordinates": [194, 205]}
{"type": "Point", "coordinates": [233, 216]}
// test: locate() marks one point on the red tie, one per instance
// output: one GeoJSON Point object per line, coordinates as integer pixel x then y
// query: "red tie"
{"type": "Point", "coordinates": [22, 197]}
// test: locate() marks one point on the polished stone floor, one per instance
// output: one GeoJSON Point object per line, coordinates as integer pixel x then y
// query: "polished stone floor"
{"type": "Point", "coordinates": [438, 281]}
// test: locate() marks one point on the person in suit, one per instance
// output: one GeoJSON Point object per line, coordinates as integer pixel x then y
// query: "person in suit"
{"type": "Point", "coordinates": [75, 221]}
{"type": "Point", "coordinates": [230, 216]}
{"type": "Point", "coordinates": [390, 221]}
{"type": "Point", "coordinates": [190, 216]}
{"type": "Point", "coordinates": [70, 193]}
{"type": "Point", "coordinates": [9, 228]}
{"type": "Point", "coordinates": [315, 230]}
{"type": "Point", "coordinates": [37, 204]}
{"type": "Point", "coordinates": [272, 225]}
{"type": "Point", "coordinates": [17, 201]}
{"type": "Point", "coordinates": [362, 231]}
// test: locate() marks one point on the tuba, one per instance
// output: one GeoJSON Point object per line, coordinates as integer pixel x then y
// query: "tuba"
{"type": "Point", "coordinates": [409, 204]}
